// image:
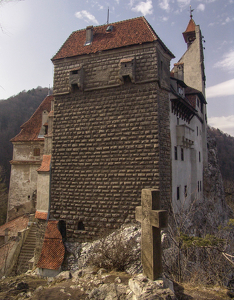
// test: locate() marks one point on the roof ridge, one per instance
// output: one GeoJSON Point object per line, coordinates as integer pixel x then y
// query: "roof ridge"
{"type": "Point", "coordinates": [32, 116]}
{"type": "Point", "coordinates": [150, 28]}
{"type": "Point", "coordinates": [98, 26]}
{"type": "Point", "coordinates": [23, 125]}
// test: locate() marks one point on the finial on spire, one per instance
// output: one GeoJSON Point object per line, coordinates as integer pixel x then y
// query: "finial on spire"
{"type": "Point", "coordinates": [191, 11]}
{"type": "Point", "coordinates": [108, 13]}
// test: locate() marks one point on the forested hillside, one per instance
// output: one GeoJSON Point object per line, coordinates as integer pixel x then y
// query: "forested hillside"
{"type": "Point", "coordinates": [13, 113]}
{"type": "Point", "coordinates": [225, 147]}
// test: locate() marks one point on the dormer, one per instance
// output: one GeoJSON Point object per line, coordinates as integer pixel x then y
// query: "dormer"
{"type": "Point", "coordinates": [127, 70]}
{"type": "Point", "coordinates": [76, 78]}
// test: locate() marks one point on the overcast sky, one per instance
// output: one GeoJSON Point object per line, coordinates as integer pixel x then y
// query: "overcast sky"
{"type": "Point", "coordinates": [32, 31]}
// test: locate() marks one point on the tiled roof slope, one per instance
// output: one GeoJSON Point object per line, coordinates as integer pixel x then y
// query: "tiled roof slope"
{"type": "Point", "coordinates": [31, 128]}
{"type": "Point", "coordinates": [52, 253]}
{"type": "Point", "coordinates": [14, 226]}
{"type": "Point", "coordinates": [41, 215]}
{"type": "Point", "coordinates": [191, 26]}
{"type": "Point", "coordinates": [45, 165]}
{"type": "Point", "coordinates": [125, 33]}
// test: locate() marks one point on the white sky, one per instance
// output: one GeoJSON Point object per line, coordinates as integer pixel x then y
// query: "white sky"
{"type": "Point", "coordinates": [32, 31]}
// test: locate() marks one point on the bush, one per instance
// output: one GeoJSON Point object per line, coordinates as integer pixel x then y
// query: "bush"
{"type": "Point", "coordinates": [114, 252]}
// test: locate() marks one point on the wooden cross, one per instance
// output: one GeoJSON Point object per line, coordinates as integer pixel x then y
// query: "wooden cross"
{"type": "Point", "coordinates": [152, 220]}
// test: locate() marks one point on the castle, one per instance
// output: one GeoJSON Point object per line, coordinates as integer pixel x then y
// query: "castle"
{"type": "Point", "coordinates": [118, 121]}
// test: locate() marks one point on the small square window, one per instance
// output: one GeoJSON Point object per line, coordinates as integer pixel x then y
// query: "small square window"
{"type": "Point", "coordinates": [36, 152]}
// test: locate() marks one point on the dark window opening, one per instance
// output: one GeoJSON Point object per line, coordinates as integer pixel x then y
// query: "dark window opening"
{"type": "Point", "coordinates": [62, 229]}
{"type": "Point", "coordinates": [28, 197]}
{"type": "Point", "coordinates": [182, 154]}
{"type": "Point", "coordinates": [176, 157]}
{"type": "Point", "coordinates": [75, 87]}
{"type": "Point", "coordinates": [46, 129]}
{"type": "Point", "coordinates": [74, 72]}
{"type": "Point", "coordinates": [198, 186]}
{"type": "Point", "coordinates": [185, 191]}
{"type": "Point", "coordinates": [197, 131]}
{"type": "Point", "coordinates": [80, 226]}
{"type": "Point", "coordinates": [36, 152]}
{"type": "Point", "coordinates": [199, 156]}
{"type": "Point", "coordinates": [178, 193]}
{"type": "Point", "coordinates": [126, 78]}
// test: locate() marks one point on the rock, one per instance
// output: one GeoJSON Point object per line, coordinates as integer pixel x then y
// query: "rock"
{"type": "Point", "coordinates": [28, 294]}
{"type": "Point", "coordinates": [145, 289]}
{"type": "Point", "coordinates": [50, 279]}
{"type": "Point", "coordinates": [118, 280]}
{"type": "Point", "coordinates": [109, 292]}
{"type": "Point", "coordinates": [40, 288]}
{"type": "Point", "coordinates": [64, 275]}
{"type": "Point", "coordinates": [101, 271]}
{"type": "Point", "coordinates": [76, 275]}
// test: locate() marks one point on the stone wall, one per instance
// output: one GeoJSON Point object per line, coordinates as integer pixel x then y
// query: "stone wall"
{"type": "Point", "coordinates": [106, 145]}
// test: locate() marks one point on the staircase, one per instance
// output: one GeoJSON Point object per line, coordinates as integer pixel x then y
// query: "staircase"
{"type": "Point", "coordinates": [27, 251]}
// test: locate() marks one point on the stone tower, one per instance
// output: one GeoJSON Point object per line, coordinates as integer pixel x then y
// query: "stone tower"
{"type": "Point", "coordinates": [111, 126]}
{"type": "Point", "coordinates": [193, 59]}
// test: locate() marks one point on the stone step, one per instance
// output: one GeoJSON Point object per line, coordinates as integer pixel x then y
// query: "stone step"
{"type": "Point", "coordinates": [27, 251]}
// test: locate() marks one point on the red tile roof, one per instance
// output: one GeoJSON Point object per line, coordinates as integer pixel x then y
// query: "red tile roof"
{"type": "Point", "coordinates": [45, 165]}
{"type": "Point", "coordinates": [125, 33]}
{"type": "Point", "coordinates": [52, 253]}
{"type": "Point", "coordinates": [41, 215]}
{"type": "Point", "coordinates": [191, 26]}
{"type": "Point", "coordinates": [14, 226]}
{"type": "Point", "coordinates": [30, 129]}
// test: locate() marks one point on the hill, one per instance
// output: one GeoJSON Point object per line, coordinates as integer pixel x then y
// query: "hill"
{"type": "Point", "coordinates": [225, 147]}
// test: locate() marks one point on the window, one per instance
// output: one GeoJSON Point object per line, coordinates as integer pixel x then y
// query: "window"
{"type": "Point", "coordinates": [198, 185]}
{"type": "Point", "coordinates": [175, 149]}
{"type": "Point", "coordinates": [178, 193]}
{"type": "Point", "coordinates": [185, 191]}
{"type": "Point", "coordinates": [197, 130]}
{"type": "Point", "coordinates": [182, 154]}
{"type": "Point", "coordinates": [199, 156]}
{"type": "Point", "coordinates": [36, 152]}
{"type": "Point", "coordinates": [80, 226]}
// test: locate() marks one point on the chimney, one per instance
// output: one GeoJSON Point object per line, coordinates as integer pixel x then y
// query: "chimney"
{"type": "Point", "coordinates": [179, 71]}
{"type": "Point", "coordinates": [89, 35]}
